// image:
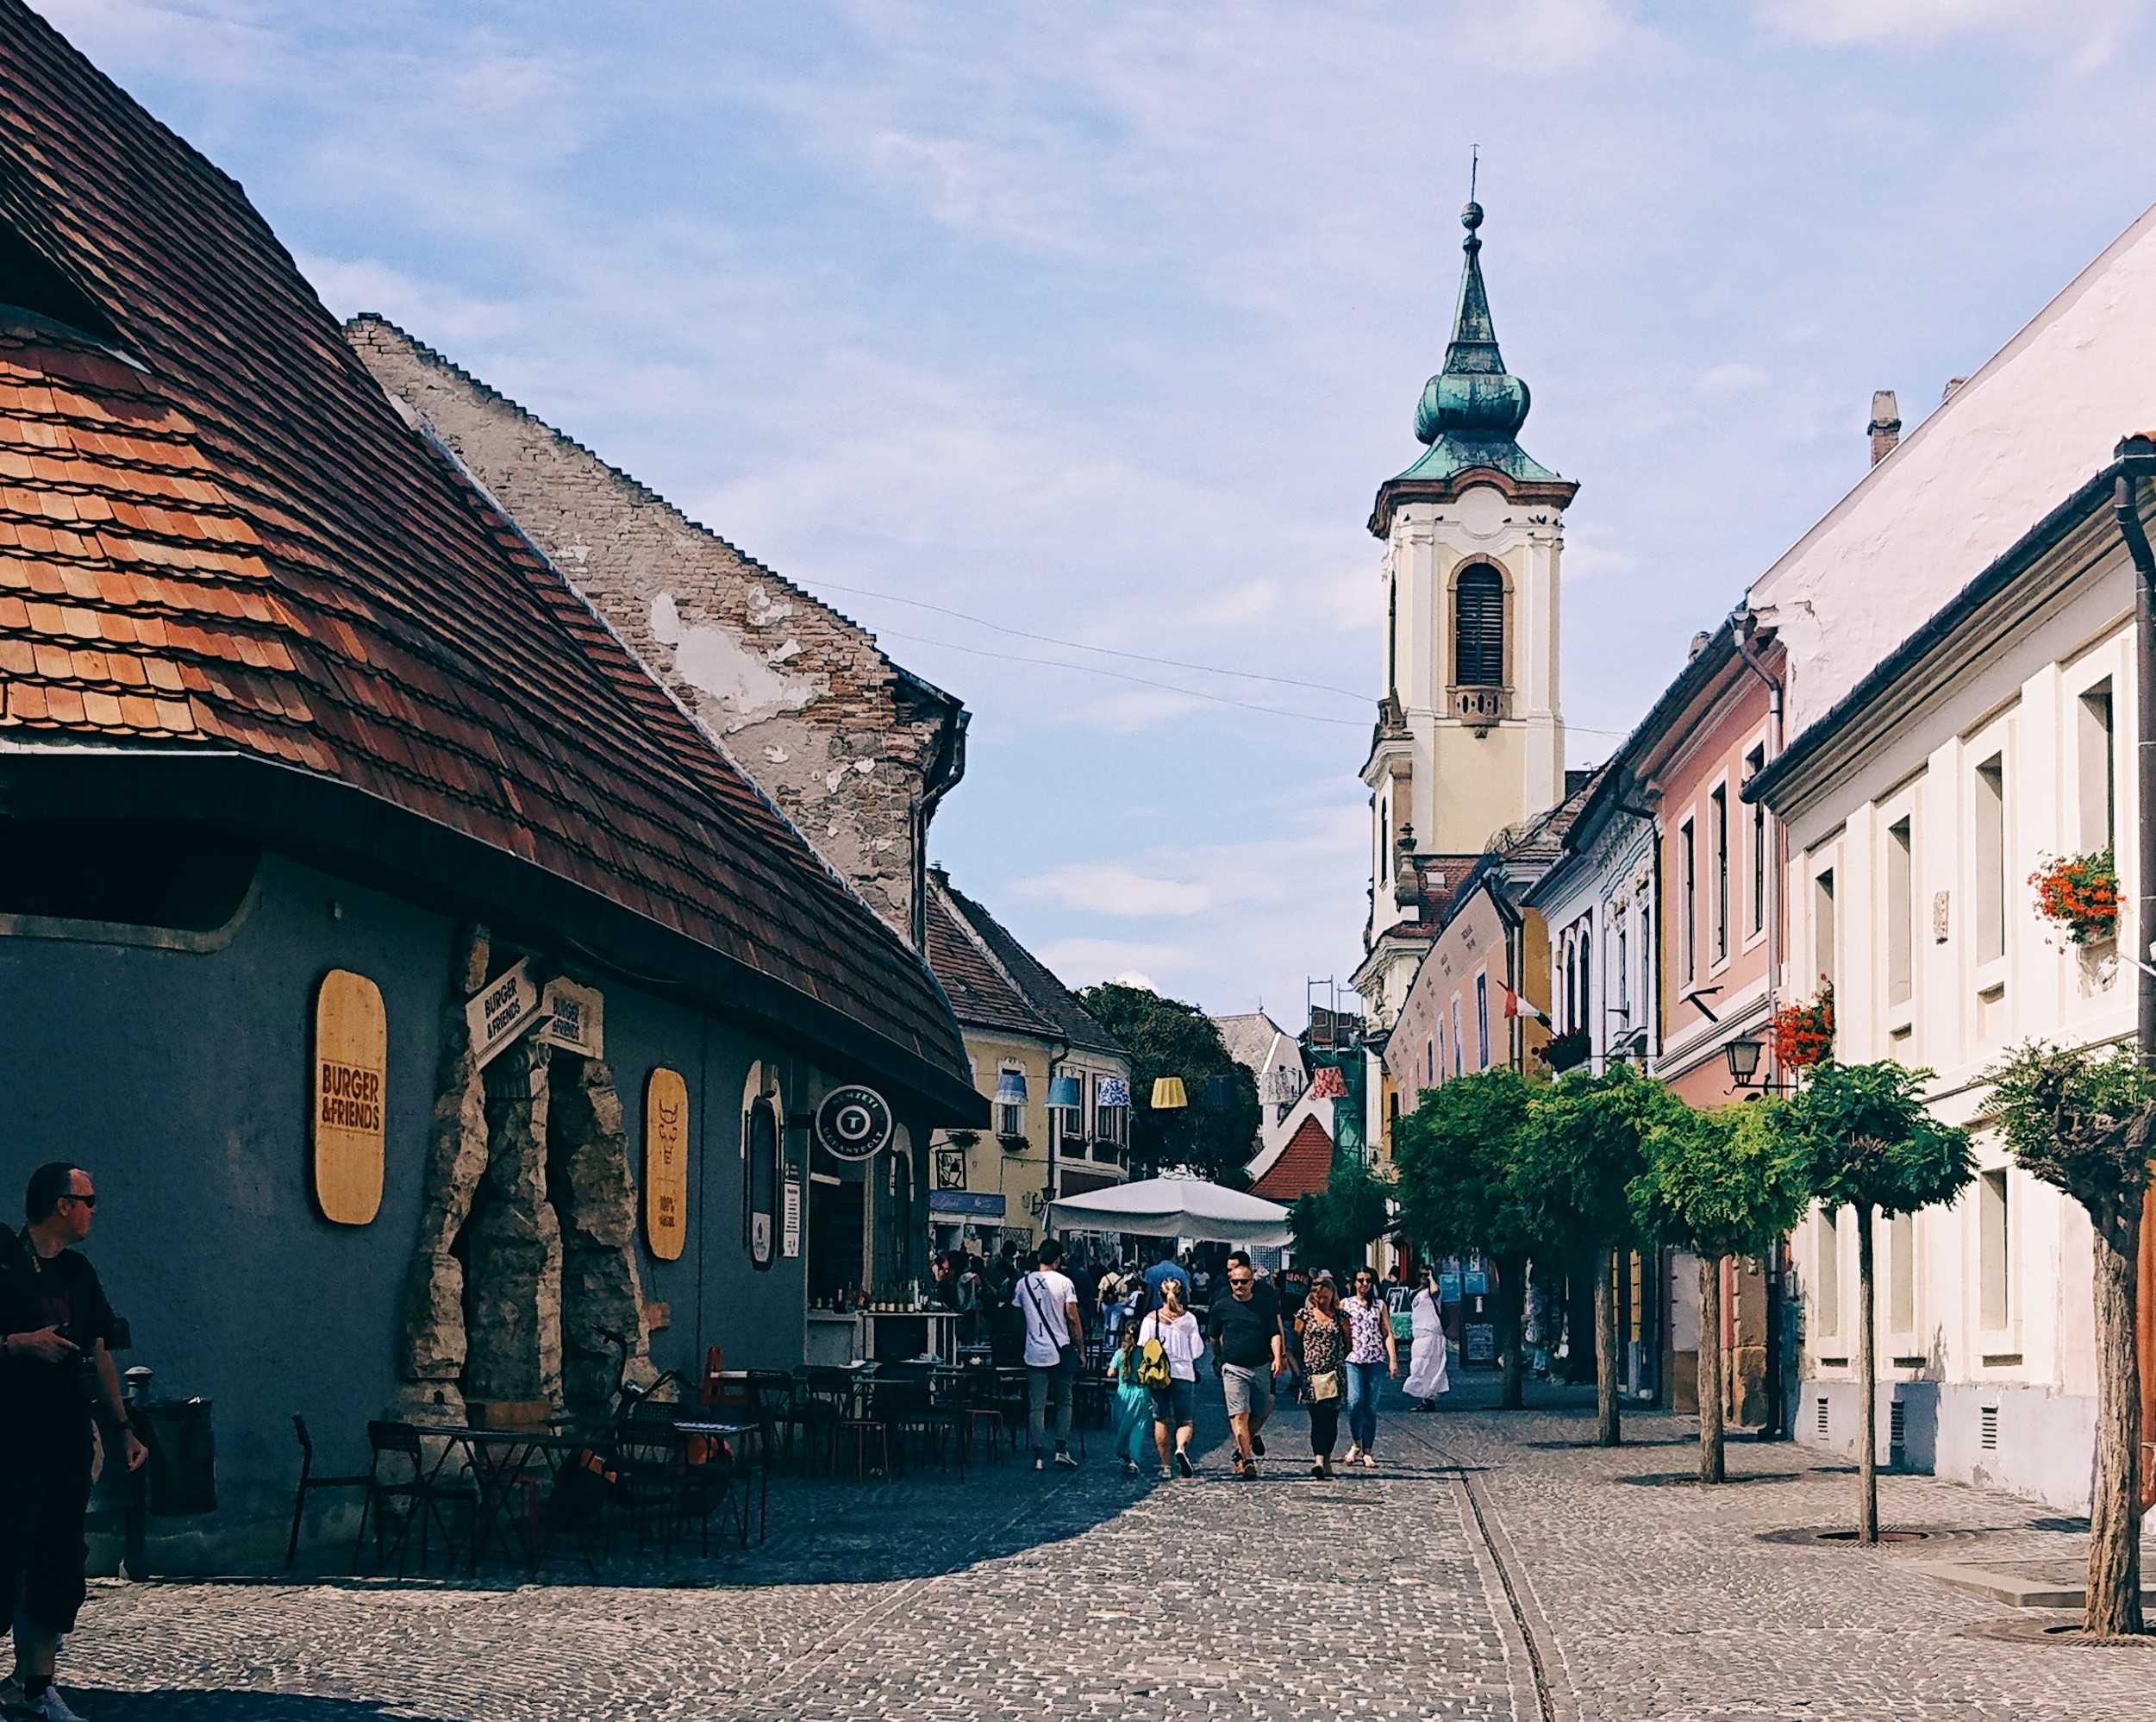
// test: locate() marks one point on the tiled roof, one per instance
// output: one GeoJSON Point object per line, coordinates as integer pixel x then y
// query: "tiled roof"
{"type": "Point", "coordinates": [975, 987]}
{"type": "Point", "coordinates": [1040, 988]}
{"type": "Point", "coordinates": [1249, 1036]}
{"type": "Point", "coordinates": [1302, 1167]}
{"type": "Point", "coordinates": [236, 547]}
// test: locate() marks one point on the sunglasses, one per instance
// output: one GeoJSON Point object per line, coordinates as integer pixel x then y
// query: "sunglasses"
{"type": "Point", "coordinates": [1238, 1279]}
{"type": "Point", "coordinates": [87, 1201]}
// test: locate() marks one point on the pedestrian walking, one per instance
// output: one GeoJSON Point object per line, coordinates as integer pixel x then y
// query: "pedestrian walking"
{"type": "Point", "coordinates": [1174, 1330]}
{"type": "Point", "coordinates": [1427, 1376]}
{"type": "Point", "coordinates": [55, 1376]}
{"type": "Point", "coordinates": [1250, 1353]}
{"type": "Point", "coordinates": [1164, 1268]}
{"type": "Point", "coordinates": [1134, 1404]}
{"type": "Point", "coordinates": [1321, 1334]}
{"type": "Point", "coordinates": [1054, 1343]}
{"type": "Point", "coordinates": [1372, 1355]}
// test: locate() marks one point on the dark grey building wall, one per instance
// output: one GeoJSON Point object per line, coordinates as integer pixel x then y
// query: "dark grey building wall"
{"type": "Point", "coordinates": [181, 1079]}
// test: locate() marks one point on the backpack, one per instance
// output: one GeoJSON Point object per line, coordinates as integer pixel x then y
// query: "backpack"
{"type": "Point", "coordinates": [1152, 1363]}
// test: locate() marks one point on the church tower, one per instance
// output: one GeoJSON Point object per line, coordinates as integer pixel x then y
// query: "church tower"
{"type": "Point", "coordinates": [1469, 739]}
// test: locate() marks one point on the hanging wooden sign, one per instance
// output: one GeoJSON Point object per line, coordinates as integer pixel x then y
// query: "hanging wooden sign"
{"type": "Point", "coordinates": [665, 1163]}
{"type": "Point", "coordinates": [501, 1011]}
{"type": "Point", "coordinates": [573, 1019]}
{"type": "Point", "coordinates": [350, 1092]}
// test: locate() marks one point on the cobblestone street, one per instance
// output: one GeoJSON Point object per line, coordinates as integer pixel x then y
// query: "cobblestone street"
{"type": "Point", "coordinates": [1399, 1594]}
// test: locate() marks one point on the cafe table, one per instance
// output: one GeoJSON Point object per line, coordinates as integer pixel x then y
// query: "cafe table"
{"type": "Point", "coordinates": [500, 1464]}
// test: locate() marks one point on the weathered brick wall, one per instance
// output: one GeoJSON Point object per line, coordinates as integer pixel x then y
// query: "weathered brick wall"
{"type": "Point", "coordinates": [804, 701]}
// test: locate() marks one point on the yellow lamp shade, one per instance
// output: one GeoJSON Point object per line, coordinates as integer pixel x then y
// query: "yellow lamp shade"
{"type": "Point", "coordinates": [1167, 1093]}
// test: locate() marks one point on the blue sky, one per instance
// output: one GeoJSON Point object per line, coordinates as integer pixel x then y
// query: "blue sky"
{"type": "Point", "coordinates": [1104, 322]}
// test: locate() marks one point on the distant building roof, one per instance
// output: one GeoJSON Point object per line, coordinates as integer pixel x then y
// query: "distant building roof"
{"type": "Point", "coordinates": [979, 993]}
{"type": "Point", "coordinates": [1047, 997]}
{"type": "Point", "coordinates": [1250, 1038]}
{"type": "Point", "coordinates": [1303, 1167]}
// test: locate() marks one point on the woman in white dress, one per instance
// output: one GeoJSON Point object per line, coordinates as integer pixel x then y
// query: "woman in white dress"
{"type": "Point", "coordinates": [1426, 1352]}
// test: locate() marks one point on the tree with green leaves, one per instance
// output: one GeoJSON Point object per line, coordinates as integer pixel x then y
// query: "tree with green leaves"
{"type": "Point", "coordinates": [1455, 1154]}
{"type": "Point", "coordinates": [1867, 1141]}
{"type": "Point", "coordinates": [1167, 1037]}
{"type": "Point", "coordinates": [1722, 1182]}
{"type": "Point", "coordinates": [1334, 1227]}
{"type": "Point", "coordinates": [2086, 1123]}
{"type": "Point", "coordinates": [1581, 1151]}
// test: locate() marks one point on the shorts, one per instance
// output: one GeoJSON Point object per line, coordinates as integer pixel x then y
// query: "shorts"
{"type": "Point", "coordinates": [1176, 1404]}
{"type": "Point", "coordinates": [1249, 1391]}
{"type": "Point", "coordinates": [43, 1500]}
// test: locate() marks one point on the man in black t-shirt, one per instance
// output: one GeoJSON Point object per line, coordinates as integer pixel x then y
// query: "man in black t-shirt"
{"type": "Point", "coordinates": [1248, 1352]}
{"type": "Point", "coordinates": [54, 1373]}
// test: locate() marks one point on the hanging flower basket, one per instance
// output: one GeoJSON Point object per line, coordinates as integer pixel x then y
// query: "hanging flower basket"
{"type": "Point", "coordinates": [961, 1139]}
{"type": "Point", "coordinates": [1562, 1052]}
{"type": "Point", "coordinates": [1804, 1034]}
{"type": "Point", "coordinates": [1014, 1145]}
{"type": "Point", "coordinates": [2080, 894]}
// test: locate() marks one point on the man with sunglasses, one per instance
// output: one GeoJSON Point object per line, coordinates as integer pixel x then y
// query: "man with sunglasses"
{"type": "Point", "coordinates": [1249, 1353]}
{"type": "Point", "coordinates": [55, 1372]}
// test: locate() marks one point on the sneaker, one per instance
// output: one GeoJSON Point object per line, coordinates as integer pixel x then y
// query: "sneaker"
{"type": "Point", "coordinates": [1040, 1463]}
{"type": "Point", "coordinates": [1165, 1474]}
{"type": "Point", "coordinates": [1066, 1462]}
{"type": "Point", "coordinates": [1182, 1463]}
{"type": "Point", "coordinates": [53, 1708]}
{"type": "Point", "coordinates": [1257, 1444]}
{"type": "Point", "coordinates": [1130, 1467]}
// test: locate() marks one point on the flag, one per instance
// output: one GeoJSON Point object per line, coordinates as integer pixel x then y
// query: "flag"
{"type": "Point", "coordinates": [1514, 1005]}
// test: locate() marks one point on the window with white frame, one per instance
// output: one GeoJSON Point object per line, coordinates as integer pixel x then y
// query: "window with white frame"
{"type": "Point", "coordinates": [1755, 856]}
{"type": "Point", "coordinates": [1718, 840]}
{"type": "Point", "coordinates": [1010, 1117]}
{"type": "Point", "coordinates": [2096, 748]}
{"type": "Point", "coordinates": [1901, 912]}
{"type": "Point", "coordinates": [1994, 1263]}
{"type": "Point", "coordinates": [1482, 1019]}
{"type": "Point", "coordinates": [1829, 1272]}
{"type": "Point", "coordinates": [1459, 1039]}
{"type": "Point", "coordinates": [1824, 930]}
{"type": "Point", "coordinates": [1688, 902]}
{"type": "Point", "coordinates": [1989, 787]}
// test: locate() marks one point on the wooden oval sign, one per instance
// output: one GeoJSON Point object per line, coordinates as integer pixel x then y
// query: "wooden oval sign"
{"type": "Point", "coordinates": [665, 1163]}
{"type": "Point", "coordinates": [352, 1054]}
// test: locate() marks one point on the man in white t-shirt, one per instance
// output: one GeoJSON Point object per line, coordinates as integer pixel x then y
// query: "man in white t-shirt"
{"type": "Point", "coordinates": [1049, 1303]}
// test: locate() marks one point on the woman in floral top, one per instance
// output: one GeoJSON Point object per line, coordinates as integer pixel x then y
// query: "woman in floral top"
{"type": "Point", "coordinates": [1323, 1339]}
{"type": "Point", "coordinates": [1371, 1349]}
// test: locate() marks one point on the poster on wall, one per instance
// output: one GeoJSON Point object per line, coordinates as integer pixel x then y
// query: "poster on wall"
{"type": "Point", "coordinates": [790, 1237]}
{"type": "Point", "coordinates": [665, 1163]}
{"type": "Point", "coordinates": [350, 1089]}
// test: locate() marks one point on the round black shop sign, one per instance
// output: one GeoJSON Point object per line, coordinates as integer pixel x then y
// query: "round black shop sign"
{"type": "Point", "coordinates": [853, 1123]}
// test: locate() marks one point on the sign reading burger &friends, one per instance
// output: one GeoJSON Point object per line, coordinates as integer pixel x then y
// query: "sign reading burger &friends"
{"type": "Point", "coordinates": [349, 1096]}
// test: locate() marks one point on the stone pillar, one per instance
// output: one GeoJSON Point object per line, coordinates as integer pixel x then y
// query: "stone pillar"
{"type": "Point", "coordinates": [513, 1298]}
{"type": "Point", "coordinates": [431, 1347]}
{"type": "Point", "coordinates": [603, 1334]}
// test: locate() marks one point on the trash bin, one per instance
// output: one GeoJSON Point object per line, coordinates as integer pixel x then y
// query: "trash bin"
{"type": "Point", "coordinates": [182, 1465]}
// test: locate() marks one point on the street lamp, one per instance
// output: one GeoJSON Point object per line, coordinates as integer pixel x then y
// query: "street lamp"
{"type": "Point", "coordinates": [1743, 1055]}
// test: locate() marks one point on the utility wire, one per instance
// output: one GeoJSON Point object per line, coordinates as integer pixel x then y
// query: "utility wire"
{"type": "Point", "coordinates": [1080, 646]}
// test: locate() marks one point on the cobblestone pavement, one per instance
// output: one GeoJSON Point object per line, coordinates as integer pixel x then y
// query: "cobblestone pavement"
{"type": "Point", "coordinates": [1397, 1593]}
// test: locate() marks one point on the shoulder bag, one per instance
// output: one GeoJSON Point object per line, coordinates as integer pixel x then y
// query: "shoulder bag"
{"type": "Point", "coordinates": [1067, 1354]}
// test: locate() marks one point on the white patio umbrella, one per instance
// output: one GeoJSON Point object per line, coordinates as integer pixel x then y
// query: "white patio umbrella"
{"type": "Point", "coordinates": [1176, 1207]}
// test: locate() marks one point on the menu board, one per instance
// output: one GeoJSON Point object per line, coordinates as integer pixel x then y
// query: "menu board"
{"type": "Point", "coordinates": [665, 1163]}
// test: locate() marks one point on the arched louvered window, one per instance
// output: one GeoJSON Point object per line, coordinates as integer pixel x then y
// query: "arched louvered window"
{"type": "Point", "coordinates": [1479, 628]}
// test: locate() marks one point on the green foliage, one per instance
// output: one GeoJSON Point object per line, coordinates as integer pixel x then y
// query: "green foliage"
{"type": "Point", "coordinates": [1334, 1227]}
{"type": "Point", "coordinates": [1455, 1154]}
{"type": "Point", "coordinates": [1582, 1148]}
{"type": "Point", "coordinates": [1719, 1182]}
{"type": "Point", "coordinates": [2079, 1121]}
{"type": "Point", "coordinates": [1866, 1139]}
{"type": "Point", "coordinates": [1169, 1038]}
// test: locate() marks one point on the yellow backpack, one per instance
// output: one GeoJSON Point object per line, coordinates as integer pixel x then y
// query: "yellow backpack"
{"type": "Point", "coordinates": [1152, 1363]}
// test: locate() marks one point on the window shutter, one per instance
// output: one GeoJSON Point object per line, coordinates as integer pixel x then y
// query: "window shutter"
{"type": "Point", "coordinates": [1479, 629]}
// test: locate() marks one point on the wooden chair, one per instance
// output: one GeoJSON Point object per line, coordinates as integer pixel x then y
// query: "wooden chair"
{"type": "Point", "coordinates": [308, 1482]}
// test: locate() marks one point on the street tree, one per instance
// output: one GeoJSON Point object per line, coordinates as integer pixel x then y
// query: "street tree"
{"type": "Point", "coordinates": [1867, 1142]}
{"type": "Point", "coordinates": [1720, 1183]}
{"type": "Point", "coordinates": [1455, 1156]}
{"type": "Point", "coordinates": [2084, 1123]}
{"type": "Point", "coordinates": [1334, 1227]}
{"type": "Point", "coordinates": [1167, 1037]}
{"type": "Point", "coordinates": [1578, 1156]}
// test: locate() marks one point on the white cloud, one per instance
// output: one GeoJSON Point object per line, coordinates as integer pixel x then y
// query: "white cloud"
{"type": "Point", "coordinates": [436, 315]}
{"type": "Point", "coordinates": [1736, 378]}
{"type": "Point", "coordinates": [2085, 33]}
{"type": "Point", "coordinates": [1126, 714]}
{"type": "Point", "coordinates": [1080, 962]}
{"type": "Point", "coordinates": [1591, 556]}
{"type": "Point", "coordinates": [1135, 977]}
{"type": "Point", "coordinates": [1111, 888]}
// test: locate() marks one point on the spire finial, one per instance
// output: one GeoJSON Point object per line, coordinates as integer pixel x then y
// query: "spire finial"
{"type": "Point", "coordinates": [1471, 217]}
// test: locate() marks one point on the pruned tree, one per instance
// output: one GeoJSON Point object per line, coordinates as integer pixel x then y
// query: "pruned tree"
{"type": "Point", "coordinates": [1720, 1183]}
{"type": "Point", "coordinates": [1455, 1156]}
{"type": "Point", "coordinates": [1868, 1143]}
{"type": "Point", "coordinates": [1578, 1156]}
{"type": "Point", "coordinates": [1334, 1227]}
{"type": "Point", "coordinates": [2084, 1123]}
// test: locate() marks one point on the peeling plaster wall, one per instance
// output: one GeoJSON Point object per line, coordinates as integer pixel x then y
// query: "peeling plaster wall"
{"type": "Point", "coordinates": [808, 706]}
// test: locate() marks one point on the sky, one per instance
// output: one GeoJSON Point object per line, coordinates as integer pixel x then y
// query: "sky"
{"type": "Point", "coordinates": [1030, 336]}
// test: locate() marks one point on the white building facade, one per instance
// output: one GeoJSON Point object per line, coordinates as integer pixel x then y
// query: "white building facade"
{"type": "Point", "coordinates": [1996, 739]}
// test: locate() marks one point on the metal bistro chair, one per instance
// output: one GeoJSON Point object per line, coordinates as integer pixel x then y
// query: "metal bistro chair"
{"type": "Point", "coordinates": [976, 1397]}
{"type": "Point", "coordinates": [310, 1483]}
{"type": "Point", "coordinates": [423, 1494]}
{"type": "Point", "coordinates": [823, 1397]}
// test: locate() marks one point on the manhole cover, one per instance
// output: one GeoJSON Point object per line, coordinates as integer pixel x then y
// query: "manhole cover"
{"type": "Point", "coordinates": [1837, 1537]}
{"type": "Point", "coordinates": [1653, 1479]}
{"type": "Point", "coordinates": [2023, 1630]}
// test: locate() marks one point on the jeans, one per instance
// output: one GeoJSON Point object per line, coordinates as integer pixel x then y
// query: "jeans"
{"type": "Point", "coordinates": [1363, 1382]}
{"type": "Point", "coordinates": [1051, 1385]}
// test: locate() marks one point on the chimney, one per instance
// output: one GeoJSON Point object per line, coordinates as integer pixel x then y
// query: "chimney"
{"type": "Point", "coordinates": [1699, 645]}
{"type": "Point", "coordinates": [1947, 393]}
{"type": "Point", "coordinates": [1887, 424]}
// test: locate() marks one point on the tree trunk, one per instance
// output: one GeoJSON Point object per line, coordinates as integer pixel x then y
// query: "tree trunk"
{"type": "Point", "coordinates": [1868, 1376]}
{"type": "Point", "coordinates": [1711, 1467]}
{"type": "Point", "coordinates": [1608, 1431]}
{"type": "Point", "coordinates": [1512, 1288]}
{"type": "Point", "coordinates": [2115, 1508]}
